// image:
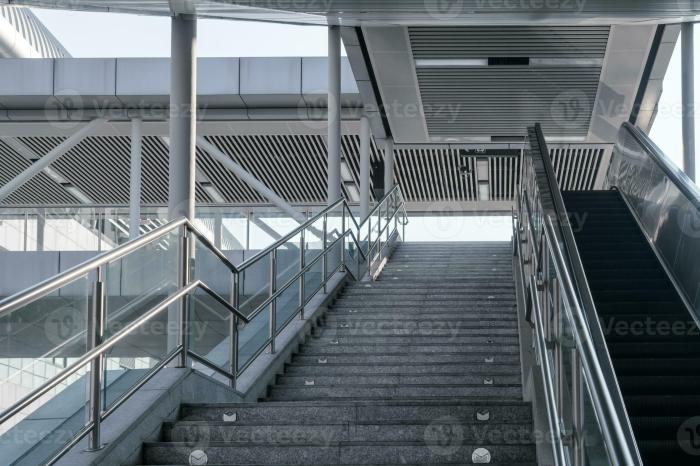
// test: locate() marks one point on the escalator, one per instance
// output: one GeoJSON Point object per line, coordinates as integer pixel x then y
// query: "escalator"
{"type": "Point", "coordinates": [652, 339]}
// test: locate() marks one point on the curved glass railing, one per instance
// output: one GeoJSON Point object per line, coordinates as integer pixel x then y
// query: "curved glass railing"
{"type": "Point", "coordinates": [666, 204]}
{"type": "Point", "coordinates": [77, 345]}
{"type": "Point", "coordinates": [586, 413]}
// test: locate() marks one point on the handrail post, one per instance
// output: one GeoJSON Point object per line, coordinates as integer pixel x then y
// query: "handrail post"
{"type": "Point", "coordinates": [577, 409]}
{"type": "Point", "coordinates": [184, 279]}
{"type": "Point", "coordinates": [342, 235]}
{"type": "Point", "coordinates": [302, 264]}
{"type": "Point", "coordinates": [273, 304]}
{"type": "Point", "coordinates": [96, 329]}
{"type": "Point", "coordinates": [233, 331]}
{"type": "Point", "coordinates": [369, 238]}
{"type": "Point", "coordinates": [324, 270]}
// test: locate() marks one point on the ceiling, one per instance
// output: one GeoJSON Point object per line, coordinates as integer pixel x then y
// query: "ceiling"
{"type": "Point", "coordinates": [405, 12]}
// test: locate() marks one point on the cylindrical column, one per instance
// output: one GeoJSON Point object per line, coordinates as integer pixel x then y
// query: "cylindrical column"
{"type": "Point", "coordinates": [388, 165]}
{"type": "Point", "coordinates": [334, 191]}
{"type": "Point", "coordinates": [183, 105]}
{"type": "Point", "coordinates": [40, 229]}
{"type": "Point", "coordinates": [364, 167]}
{"type": "Point", "coordinates": [135, 178]}
{"type": "Point", "coordinates": [687, 85]}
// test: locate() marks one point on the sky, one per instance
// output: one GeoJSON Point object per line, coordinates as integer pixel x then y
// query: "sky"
{"type": "Point", "coordinates": [87, 34]}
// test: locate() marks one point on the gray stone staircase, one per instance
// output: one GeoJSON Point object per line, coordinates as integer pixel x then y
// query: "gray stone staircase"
{"type": "Point", "coordinates": [419, 367]}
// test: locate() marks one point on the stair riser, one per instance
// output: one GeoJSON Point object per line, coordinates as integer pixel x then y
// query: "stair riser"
{"type": "Point", "coordinates": [330, 434]}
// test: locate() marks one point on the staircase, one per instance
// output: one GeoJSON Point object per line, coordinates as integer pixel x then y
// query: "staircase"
{"type": "Point", "coordinates": [653, 342]}
{"type": "Point", "coordinates": [419, 367]}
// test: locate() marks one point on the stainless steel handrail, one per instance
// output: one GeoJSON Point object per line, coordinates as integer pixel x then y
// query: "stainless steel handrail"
{"type": "Point", "coordinates": [106, 345]}
{"type": "Point", "coordinates": [689, 189]}
{"type": "Point", "coordinates": [50, 285]}
{"type": "Point", "coordinates": [394, 207]}
{"type": "Point", "coordinates": [593, 356]}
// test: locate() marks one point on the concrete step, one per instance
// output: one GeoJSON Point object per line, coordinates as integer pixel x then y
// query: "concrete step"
{"type": "Point", "coordinates": [345, 453]}
{"type": "Point", "coordinates": [404, 358]}
{"type": "Point", "coordinates": [368, 411]}
{"type": "Point", "coordinates": [476, 369]}
{"type": "Point", "coordinates": [330, 337]}
{"type": "Point", "coordinates": [202, 432]}
{"type": "Point", "coordinates": [327, 349]}
{"type": "Point", "coordinates": [399, 315]}
{"type": "Point", "coordinates": [362, 392]}
{"type": "Point", "coordinates": [375, 379]}
{"type": "Point", "coordinates": [405, 322]}
{"type": "Point", "coordinates": [423, 330]}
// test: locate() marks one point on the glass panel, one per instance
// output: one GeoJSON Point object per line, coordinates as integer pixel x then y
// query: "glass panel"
{"type": "Point", "coordinates": [40, 339]}
{"type": "Point", "coordinates": [312, 279]}
{"type": "Point", "coordinates": [593, 444]}
{"type": "Point", "coordinates": [132, 357]}
{"type": "Point", "coordinates": [209, 330]}
{"type": "Point", "coordinates": [334, 258]}
{"type": "Point", "coordinates": [36, 434]}
{"type": "Point", "coordinates": [254, 285]}
{"type": "Point", "coordinates": [252, 337]}
{"type": "Point", "coordinates": [288, 260]}
{"type": "Point", "coordinates": [313, 236]}
{"type": "Point", "coordinates": [334, 224]}
{"type": "Point", "coordinates": [287, 304]}
{"type": "Point", "coordinates": [211, 270]}
{"type": "Point", "coordinates": [568, 344]}
{"type": "Point", "coordinates": [268, 227]}
{"type": "Point", "coordinates": [15, 232]}
{"type": "Point", "coordinates": [137, 282]}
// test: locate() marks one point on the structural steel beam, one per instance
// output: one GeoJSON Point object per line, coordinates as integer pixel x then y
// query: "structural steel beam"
{"type": "Point", "coordinates": [49, 158]}
{"type": "Point", "coordinates": [250, 180]}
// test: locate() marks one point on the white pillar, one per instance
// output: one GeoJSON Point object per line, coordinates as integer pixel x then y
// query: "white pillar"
{"type": "Point", "coordinates": [40, 228]}
{"type": "Point", "coordinates": [388, 165]}
{"type": "Point", "coordinates": [135, 179]}
{"type": "Point", "coordinates": [334, 192]}
{"type": "Point", "coordinates": [687, 86]}
{"type": "Point", "coordinates": [183, 110]}
{"type": "Point", "coordinates": [364, 167]}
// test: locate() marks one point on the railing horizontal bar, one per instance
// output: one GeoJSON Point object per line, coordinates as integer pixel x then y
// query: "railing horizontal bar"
{"type": "Point", "coordinates": [48, 286]}
{"type": "Point", "coordinates": [98, 350]}
{"type": "Point", "coordinates": [261, 307]}
{"type": "Point", "coordinates": [210, 365]}
{"type": "Point", "coordinates": [245, 264]}
{"type": "Point", "coordinates": [223, 302]}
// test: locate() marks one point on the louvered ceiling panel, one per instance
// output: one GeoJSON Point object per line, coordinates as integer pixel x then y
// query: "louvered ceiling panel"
{"type": "Point", "coordinates": [40, 190]}
{"type": "Point", "coordinates": [512, 41]}
{"type": "Point", "coordinates": [501, 100]}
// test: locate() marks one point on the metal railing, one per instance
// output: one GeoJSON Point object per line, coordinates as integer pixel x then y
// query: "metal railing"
{"type": "Point", "coordinates": [297, 267]}
{"type": "Point", "coordinates": [587, 416]}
